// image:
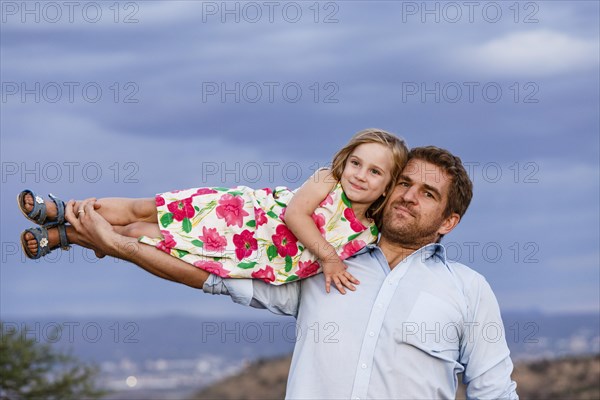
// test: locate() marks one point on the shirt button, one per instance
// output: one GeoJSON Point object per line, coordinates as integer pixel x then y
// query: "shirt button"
{"type": "Point", "coordinates": [364, 366]}
{"type": "Point", "coordinates": [371, 334]}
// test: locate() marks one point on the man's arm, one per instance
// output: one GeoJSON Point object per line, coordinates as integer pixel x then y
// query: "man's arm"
{"type": "Point", "coordinates": [484, 351]}
{"type": "Point", "coordinates": [94, 232]}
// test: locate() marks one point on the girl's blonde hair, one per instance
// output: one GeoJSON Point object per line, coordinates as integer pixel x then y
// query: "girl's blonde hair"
{"type": "Point", "coordinates": [399, 158]}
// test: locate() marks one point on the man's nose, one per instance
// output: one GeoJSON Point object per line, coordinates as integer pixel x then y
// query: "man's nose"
{"type": "Point", "coordinates": [410, 195]}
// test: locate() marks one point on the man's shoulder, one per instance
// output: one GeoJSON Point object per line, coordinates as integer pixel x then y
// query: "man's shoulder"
{"type": "Point", "coordinates": [467, 278]}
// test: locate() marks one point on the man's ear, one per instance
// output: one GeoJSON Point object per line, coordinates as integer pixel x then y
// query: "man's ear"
{"type": "Point", "coordinates": [449, 224]}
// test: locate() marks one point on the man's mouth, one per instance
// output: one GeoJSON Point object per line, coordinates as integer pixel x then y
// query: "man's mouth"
{"type": "Point", "coordinates": [403, 209]}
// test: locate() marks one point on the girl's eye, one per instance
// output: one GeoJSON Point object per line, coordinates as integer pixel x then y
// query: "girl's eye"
{"type": "Point", "coordinates": [376, 172]}
{"type": "Point", "coordinates": [353, 162]}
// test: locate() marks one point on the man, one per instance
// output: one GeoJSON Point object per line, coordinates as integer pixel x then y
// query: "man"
{"type": "Point", "coordinates": [416, 320]}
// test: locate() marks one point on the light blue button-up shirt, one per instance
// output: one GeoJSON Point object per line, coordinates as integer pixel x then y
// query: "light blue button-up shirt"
{"type": "Point", "coordinates": [403, 334]}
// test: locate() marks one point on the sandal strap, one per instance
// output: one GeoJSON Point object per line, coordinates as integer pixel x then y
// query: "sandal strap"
{"type": "Point", "coordinates": [60, 210]}
{"type": "Point", "coordinates": [62, 235]}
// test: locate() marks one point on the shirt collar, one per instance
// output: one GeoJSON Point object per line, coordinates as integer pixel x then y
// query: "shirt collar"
{"type": "Point", "coordinates": [426, 252]}
{"type": "Point", "coordinates": [433, 250]}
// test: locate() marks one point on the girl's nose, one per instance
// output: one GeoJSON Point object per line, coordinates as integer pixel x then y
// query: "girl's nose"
{"type": "Point", "coordinates": [361, 174]}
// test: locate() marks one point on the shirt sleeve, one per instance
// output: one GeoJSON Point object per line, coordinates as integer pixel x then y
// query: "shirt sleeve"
{"type": "Point", "coordinates": [279, 299]}
{"type": "Point", "coordinates": [484, 352]}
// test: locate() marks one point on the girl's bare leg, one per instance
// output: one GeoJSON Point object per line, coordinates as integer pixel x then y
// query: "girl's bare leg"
{"type": "Point", "coordinates": [124, 211]}
{"type": "Point", "coordinates": [116, 210]}
{"type": "Point", "coordinates": [137, 229]}
{"type": "Point", "coordinates": [134, 230]}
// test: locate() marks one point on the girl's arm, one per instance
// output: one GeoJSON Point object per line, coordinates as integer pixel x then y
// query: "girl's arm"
{"type": "Point", "coordinates": [298, 217]}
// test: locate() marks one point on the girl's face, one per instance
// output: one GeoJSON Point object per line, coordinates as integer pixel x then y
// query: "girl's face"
{"type": "Point", "coordinates": [367, 173]}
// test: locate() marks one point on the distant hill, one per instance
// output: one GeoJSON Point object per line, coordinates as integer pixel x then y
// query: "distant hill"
{"type": "Point", "coordinates": [573, 378]}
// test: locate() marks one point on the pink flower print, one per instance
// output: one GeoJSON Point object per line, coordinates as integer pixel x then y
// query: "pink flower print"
{"type": "Point", "coordinates": [212, 240]}
{"type": "Point", "coordinates": [231, 209]}
{"type": "Point", "coordinates": [268, 191]}
{"type": "Point", "coordinates": [327, 200]}
{"type": "Point", "coordinates": [202, 191]}
{"type": "Point", "coordinates": [351, 247]}
{"type": "Point", "coordinates": [285, 241]}
{"type": "Point", "coordinates": [214, 267]}
{"type": "Point", "coordinates": [266, 274]}
{"type": "Point", "coordinates": [307, 268]}
{"type": "Point", "coordinates": [167, 243]}
{"type": "Point", "coordinates": [319, 222]}
{"type": "Point", "coordinates": [244, 243]}
{"type": "Point", "coordinates": [182, 209]}
{"type": "Point", "coordinates": [160, 201]}
{"type": "Point", "coordinates": [260, 216]}
{"type": "Point", "coordinates": [355, 224]}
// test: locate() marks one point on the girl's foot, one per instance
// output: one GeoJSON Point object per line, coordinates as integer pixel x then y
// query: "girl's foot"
{"type": "Point", "coordinates": [50, 211]}
{"type": "Point", "coordinates": [38, 242]}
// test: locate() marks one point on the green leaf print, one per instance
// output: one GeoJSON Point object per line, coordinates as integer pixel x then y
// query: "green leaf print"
{"type": "Point", "coordinates": [292, 278]}
{"type": "Point", "coordinates": [206, 209]}
{"type": "Point", "coordinates": [288, 263]}
{"type": "Point", "coordinates": [166, 219]}
{"type": "Point", "coordinates": [346, 201]}
{"type": "Point", "coordinates": [301, 248]}
{"type": "Point", "coordinates": [352, 237]}
{"type": "Point", "coordinates": [186, 225]}
{"type": "Point", "coordinates": [236, 193]}
{"type": "Point", "coordinates": [221, 189]}
{"type": "Point", "coordinates": [271, 252]}
{"type": "Point", "coordinates": [247, 265]}
{"type": "Point", "coordinates": [181, 253]}
{"type": "Point", "coordinates": [198, 243]}
{"type": "Point", "coordinates": [196, 208]}
{"type": "Point", "coordinates": [374, 230]}
{"type": "Point", "coordinates": [272, 215]}
{"type": "Point", "coordinates": [251, 223]}
{"type": "Point", "coordinates": [281, 204]}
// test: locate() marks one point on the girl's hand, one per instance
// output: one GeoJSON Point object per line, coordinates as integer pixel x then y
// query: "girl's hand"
{"type": "Point", "coordinates": [336, 271]}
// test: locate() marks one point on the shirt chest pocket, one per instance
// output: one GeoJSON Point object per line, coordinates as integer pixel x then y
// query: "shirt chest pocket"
{"type": "Point", "coordinates": [433, 326]}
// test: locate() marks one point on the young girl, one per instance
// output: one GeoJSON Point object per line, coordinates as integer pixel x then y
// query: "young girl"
{"type": "Point", "coordinates": [278, 236]}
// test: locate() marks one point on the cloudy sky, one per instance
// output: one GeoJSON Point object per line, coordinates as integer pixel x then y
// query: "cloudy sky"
{"type": "Point", "coordinates": [135, 98]}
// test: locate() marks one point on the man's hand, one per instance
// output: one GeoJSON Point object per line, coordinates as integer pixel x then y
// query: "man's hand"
{"type": "Point", "coordinates": [93, 231]}
{"type": "Point", "coordinates": [336, 271]}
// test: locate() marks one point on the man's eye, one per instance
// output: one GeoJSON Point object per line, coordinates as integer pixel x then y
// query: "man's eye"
{"type": "Point", "coordinates": [405, 184]}
{"type": "Point", "coordinates": [428, 194]}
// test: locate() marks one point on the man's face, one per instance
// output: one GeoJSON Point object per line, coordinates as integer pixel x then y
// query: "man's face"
{"type": "Point", "coordinates": [414, 213]}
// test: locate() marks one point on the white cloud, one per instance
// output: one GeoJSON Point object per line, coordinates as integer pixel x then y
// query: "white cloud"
{"type": "Point", "coordinates": [537, 53]}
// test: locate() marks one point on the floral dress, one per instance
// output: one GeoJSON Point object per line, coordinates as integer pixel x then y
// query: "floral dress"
{"type": "Point", "coordinates": [240, 232]}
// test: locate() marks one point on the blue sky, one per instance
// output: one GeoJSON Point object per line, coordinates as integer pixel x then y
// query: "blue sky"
{"type": "Point", "coordinates": [151, 96]}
